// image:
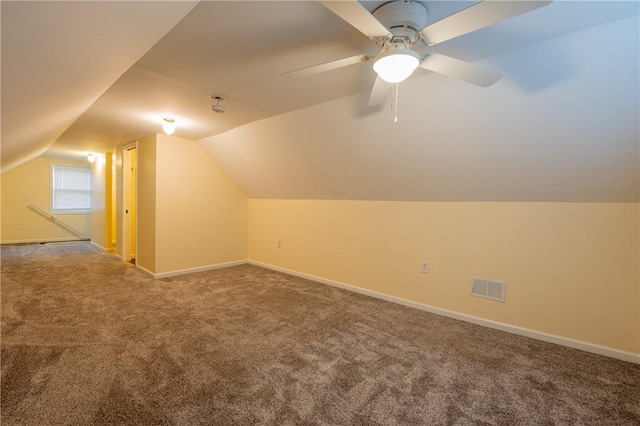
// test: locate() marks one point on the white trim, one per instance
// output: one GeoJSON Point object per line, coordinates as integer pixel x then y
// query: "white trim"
{"type": "Point", "coordinates": [106, 250]}
{"type": "Point", "coordinates": [538, 335]}
{"type": "Point", "coordinates": [192, 270]}
{"type": "Point", "coordinates": [145, 271]}
{"type": "Point", "coordinates": [98, 246]}
{"type": "Point", "coordinates": [41, 241]}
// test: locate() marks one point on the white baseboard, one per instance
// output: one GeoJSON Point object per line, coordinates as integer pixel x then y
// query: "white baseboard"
{"type": "Point", "coordinates": [145, 271]}
{"type": "Point", "coordinates": [538, 335]}
{"type": "Point", "coordinates": [192, 270]}
{"type": "Point", "coordinates": [98, 246]}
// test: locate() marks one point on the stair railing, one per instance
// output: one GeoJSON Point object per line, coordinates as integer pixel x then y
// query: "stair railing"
{"type": "Point", "coordinates": [59, 221]}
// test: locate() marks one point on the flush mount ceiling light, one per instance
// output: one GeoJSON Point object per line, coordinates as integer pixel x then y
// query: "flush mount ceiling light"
{"type": "Point", "coordinates": [169, 125]}
{"type": "Point", "coordinates": [396, 65]}
{"type": "Point", "coordinates": [91, 158]}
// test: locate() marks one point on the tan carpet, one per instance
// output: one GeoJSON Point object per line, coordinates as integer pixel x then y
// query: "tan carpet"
{"type": "Point", "coordinates": [87, 339]}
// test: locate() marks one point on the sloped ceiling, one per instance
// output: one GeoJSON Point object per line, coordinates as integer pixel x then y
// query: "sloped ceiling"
{"type": "Point", "coordinates": [562, 124]}
{"type": "Point", "coordinates": [59, 57]}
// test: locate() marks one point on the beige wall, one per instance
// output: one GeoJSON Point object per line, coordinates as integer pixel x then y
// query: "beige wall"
{"type": "Point", "coordinates": [20, 223]}
{"type": "Point", "coordinates": [572, 269]}
{"type": "Point", "coordinates": [98, 202]}
{"type": "Point", "coordinates": [190, 214]}
{"type": "Point", "coordinates": [146, 203]}
{"type": "Point", "coordinates": [110, 201]}
{"type": "Point", "coordinates": [201, 215]}
{"type": "Point", "coordinates": [118, 201]}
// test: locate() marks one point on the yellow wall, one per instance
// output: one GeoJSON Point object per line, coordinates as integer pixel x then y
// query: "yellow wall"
{"type": "Point", "coordinates": [102, 201]}
{"type": "Point", "coordinates": [118, 201]}
{"type": "Point", "coordinates": [98, 202]}
{"type": "Point", "coordinates": [19, 222]}
{"type": "Point", "coordinates": [146, 203]}
{"type": "Point", "coordinates": [201, 215]}
{"type": "Point", "coordinates": [190, 214]}
{"type": "Point", "coordinates": [110, 201]}
{"type": "Point", "coordinates": [572, 269]}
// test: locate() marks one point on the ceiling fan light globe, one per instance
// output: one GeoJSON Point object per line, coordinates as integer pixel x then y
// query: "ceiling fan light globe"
{"type": "Point", "coordinates": [397, 65]}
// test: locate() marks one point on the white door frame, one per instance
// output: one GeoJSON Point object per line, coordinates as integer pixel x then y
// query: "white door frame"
{"type": "Point", "coordinates": [123, 199]}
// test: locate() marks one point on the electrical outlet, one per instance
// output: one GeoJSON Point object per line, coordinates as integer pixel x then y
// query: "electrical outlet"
{"type": "Point", "coordinates": [277, 243]}
{"type": "Point", "coordinates": [424, 266]}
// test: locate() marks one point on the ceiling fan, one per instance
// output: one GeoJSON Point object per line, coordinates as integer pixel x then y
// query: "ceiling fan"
{"type": "Point", "coordinates": [400, 27]}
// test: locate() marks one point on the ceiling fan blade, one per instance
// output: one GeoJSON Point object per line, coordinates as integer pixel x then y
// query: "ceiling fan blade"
{"type": "Point", "coordinates": [479, 15]}
{"type": "Point", "coordinates": [462, 70]}
{"type": "Point", "coordinates": [359, 17]}
{"type": "Point", "coordinates": [380, 92]}
{"type": "Point", "coordinates": [328, 66]}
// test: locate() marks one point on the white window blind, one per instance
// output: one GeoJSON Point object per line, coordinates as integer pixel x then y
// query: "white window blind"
{"type": "Point", "coordinates": [71, 188]}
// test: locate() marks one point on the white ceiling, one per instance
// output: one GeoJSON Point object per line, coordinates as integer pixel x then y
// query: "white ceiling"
{"type": "Point", "coordinates": [565, 131]}
{"type": "Point", "coordinates": [562, 124]}
{"type": "Point", "coordinates": [59, 57]}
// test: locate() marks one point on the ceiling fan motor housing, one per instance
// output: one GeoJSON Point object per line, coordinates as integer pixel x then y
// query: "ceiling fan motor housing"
{"type": "Point", "coordinates": [403, 18]}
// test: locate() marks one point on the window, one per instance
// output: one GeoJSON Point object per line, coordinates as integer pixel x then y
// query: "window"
{"type": "Point", "coordinates": [71, 189]}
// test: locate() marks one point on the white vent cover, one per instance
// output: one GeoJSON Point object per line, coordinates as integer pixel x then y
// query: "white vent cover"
{"type": "Point", "coordinates": [489, 289]}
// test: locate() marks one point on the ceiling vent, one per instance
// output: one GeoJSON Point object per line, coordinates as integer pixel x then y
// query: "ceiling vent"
{"type": "Point", "coordinates": [488, 289]}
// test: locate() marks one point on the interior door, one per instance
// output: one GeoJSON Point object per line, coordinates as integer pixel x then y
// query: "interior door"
{"type": "Point", "coordinates": [128, 203]}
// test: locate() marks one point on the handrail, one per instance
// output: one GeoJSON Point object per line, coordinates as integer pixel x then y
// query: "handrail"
{"type": "Point", "coordinates": [53, 218]}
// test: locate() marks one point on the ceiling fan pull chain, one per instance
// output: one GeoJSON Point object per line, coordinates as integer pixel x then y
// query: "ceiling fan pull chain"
{"type": "Point", "coordinates": [394, 102]}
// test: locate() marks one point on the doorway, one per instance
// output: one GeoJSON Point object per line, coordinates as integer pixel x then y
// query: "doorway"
{"type": "Point", "coordinates": [129, 203]}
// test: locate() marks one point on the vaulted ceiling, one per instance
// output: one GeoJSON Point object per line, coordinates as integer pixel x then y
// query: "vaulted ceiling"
{"type": "Point", "coordinates": [562, 125]}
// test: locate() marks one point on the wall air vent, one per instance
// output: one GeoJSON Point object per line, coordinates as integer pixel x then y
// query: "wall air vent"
{"type": "Point", "coordinates": [488, 289]}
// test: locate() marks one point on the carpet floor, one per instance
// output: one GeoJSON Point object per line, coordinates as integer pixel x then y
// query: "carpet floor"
{"type": "Point", "coordinates": [89, 340]}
